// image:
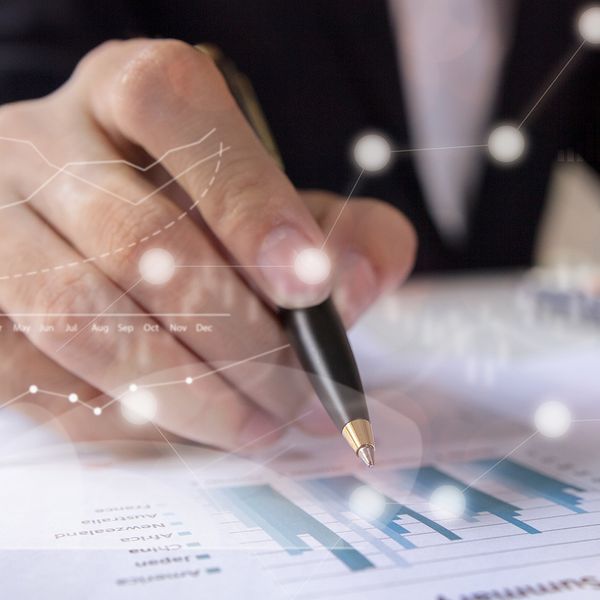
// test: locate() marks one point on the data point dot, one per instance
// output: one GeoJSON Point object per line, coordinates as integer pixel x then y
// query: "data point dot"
{"type": "Point", "coordinates": [552, 418]}
{"type": "Point", "coordinates": [97, 411]}
{"type": "Point", "coordinates": [157, 266]}
{"type": "Point", "coordinates": [372, 152]}
{"type": "Point", "coordinates": [506, 144]}
{"type": "Point", "coordinates": [33, 389]}
{"type": "Point", "coordinates": [367, 503]}
{"type": "Point", "coordinates": [448, 502]}
{"type": "Point", "coordinates": [588, 25]}
{"type": "Point", "coordinates": [139, 408]}
{"type": "Point", "coordinates": [73, 398]}
{"type": "Point", "coordinates": [133, 387]}
{"type": "Point", "coordinates": [312, 266]}
{"type": "Point", "coordinates": [189, 380]}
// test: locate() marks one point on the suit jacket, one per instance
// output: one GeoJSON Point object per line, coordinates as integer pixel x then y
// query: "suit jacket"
{"type": "Point", "coordinates": [326, 69]}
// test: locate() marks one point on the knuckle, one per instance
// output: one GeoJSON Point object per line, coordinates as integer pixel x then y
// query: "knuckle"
{"type": "Point", "coordinates": [155, 72]}
{"type": "Point", "coordinates": [97, 54]}
{"type": "Point", "coordinates": [90, 64]}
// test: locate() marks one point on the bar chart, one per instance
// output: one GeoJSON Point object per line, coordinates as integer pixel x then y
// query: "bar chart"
{"type": "Point", "coordinates": [309, 532]}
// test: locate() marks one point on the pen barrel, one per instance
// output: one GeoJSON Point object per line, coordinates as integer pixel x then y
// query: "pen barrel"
{"type": "Point", "coordinates": [321, 344]}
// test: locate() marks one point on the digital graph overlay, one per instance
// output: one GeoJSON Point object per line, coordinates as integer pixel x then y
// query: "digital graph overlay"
{"type": "Point", "coordinates": [398, 520]}
{"type": "Point", "coordinates": [64, 170]}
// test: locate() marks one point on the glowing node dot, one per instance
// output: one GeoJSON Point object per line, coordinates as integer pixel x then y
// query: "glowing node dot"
{"type": "Point", "coordinates": [367, 503]}
{"type": "Point", "coordinates": [157, 266]}
{"type": "Point", "coordinates": [189, 380]}
{"type": "Point", "coordinates": [73, 398]}
{"type": "Point", "coordinates": [133, 387]}
{"type": "Point", "coordinates": [589, 25]}
{"type": "Point", "coordinates": [312, 266]}
{"type": "Point", "coordinates": [447, 502]}
{"type": "Point", "coordinates": [506, 144]}
{"type": "Point", "coordinates": [372, 152]}
{"type": "Point", "coordinates": [552, 418]}
{"type": "Point", "coordinates": [139, 408]}
{"type": "Point", "coordinates": [33, 389]}
{"type": "Point", "coordinates": [97, 411]}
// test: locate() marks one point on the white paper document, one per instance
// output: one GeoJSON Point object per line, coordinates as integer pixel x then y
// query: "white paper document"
{"type": "Point", "coordinates": [508, 514]}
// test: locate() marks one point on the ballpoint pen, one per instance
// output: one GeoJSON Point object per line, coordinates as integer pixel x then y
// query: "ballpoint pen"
{"type": "Point", "coordinates": [316, 333]}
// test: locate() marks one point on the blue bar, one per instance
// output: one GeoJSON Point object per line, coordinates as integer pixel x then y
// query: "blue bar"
{"type": "Point", "coordinates": [339, 489]}
{"type": "Point", "coordinates": [262, 506]}
{"type": "Point", "coordinates": [428, 479]}
{"type": "Point", "coordinates": [533, 483]}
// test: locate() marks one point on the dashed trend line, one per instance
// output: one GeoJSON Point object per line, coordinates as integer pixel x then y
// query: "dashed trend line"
{"type": "Point", "coordinates": [218, 155]}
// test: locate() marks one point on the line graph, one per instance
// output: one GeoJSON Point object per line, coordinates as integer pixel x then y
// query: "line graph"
{"type": "Point", "coordinates": [218, 161]}
{"type": "Point", "coordinates": [115, 161]}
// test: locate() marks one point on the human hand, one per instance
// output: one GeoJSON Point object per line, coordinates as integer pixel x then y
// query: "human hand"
{"type": "Point", "coordinates": [77, 217]}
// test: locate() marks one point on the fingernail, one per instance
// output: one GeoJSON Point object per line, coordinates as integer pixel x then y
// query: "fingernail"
{"type": "Point", "coordinates": [356, 286]}
{"type": "Point", "coordinates": [260, 430]}
{"type": "Point", "coordinates": [289, 285]}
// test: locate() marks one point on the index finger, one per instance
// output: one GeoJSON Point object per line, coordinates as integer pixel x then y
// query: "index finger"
{"type": "Point", "coordinates": [163, 96]}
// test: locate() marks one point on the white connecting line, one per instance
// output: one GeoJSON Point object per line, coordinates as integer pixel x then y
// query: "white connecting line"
{"type": "Point", "coordinates": [397, 151]}
{"type": "Point", "coordinates": [90, 323]}
{"type": "Point", "coordinates": [34, 390]}
{"type": "Point", "coordinates": [218, 370]}
{"type": "Point", "coordinates": [117, 161]}
{"type": "Point", "coordinates": [551, 85]}
{"type": "Point", "coordinates": [461, 147]}
{"type": "Point", "coordinates": [498, 462]}
{"type": "Point", "coordinates": [342, 209]}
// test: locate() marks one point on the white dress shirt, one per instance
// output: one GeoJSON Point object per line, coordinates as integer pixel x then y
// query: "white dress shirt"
{"type": "Point", "coordinates": [450, 55]}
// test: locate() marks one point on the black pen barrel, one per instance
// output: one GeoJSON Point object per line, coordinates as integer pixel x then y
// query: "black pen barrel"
{"type": "Point", "coordinates": [319, 338]}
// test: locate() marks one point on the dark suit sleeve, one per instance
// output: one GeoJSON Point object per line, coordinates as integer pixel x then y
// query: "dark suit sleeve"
{"type": "Point", "coordinates": [586, 103]}
{"type": "Point", "coordinates": [41, 41]}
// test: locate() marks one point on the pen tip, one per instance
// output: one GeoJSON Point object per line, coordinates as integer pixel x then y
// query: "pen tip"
{"type": "Point", "coordinates": [367, 455]}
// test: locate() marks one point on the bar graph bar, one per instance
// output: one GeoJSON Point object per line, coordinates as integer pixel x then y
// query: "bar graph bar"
{"type": "Point", "coordinates": [262, 506]}
{"type": "Point", "coordinates": [429, 479]}
{"type": "Point", "coordinates": [336, 491]}
{"type": "Point", "coordinates": [533, 483]}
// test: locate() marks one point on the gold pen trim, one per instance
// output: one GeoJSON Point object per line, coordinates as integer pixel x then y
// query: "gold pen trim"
{"type": "Point", "coordinates": [358, 433]}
